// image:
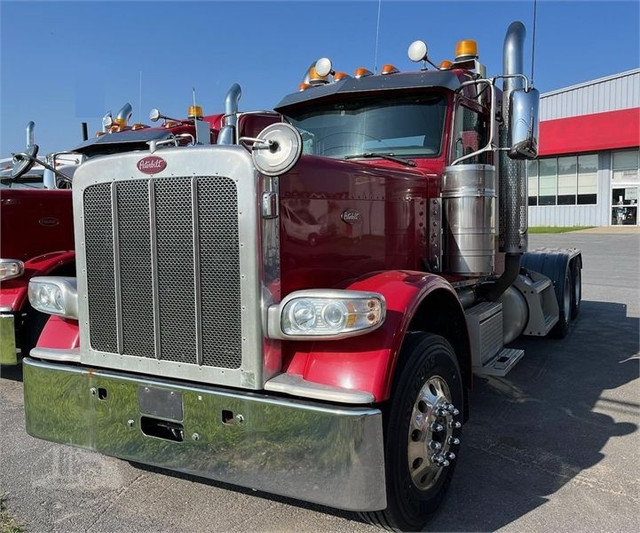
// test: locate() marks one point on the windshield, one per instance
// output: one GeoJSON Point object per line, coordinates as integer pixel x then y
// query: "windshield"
{"type": "Point", "coordinates": [405, 126]}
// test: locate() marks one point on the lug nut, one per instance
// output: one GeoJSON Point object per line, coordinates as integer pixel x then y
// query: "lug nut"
{"type": "Point", "coordinates": [451, 456]}
{"type": "Point", "coordinates": [444, 463]}
{"type": "Point", "coordinates": [455, 425]}
{"type": "Point", "coordinates": [435, 445]}
{"type": "Point", "coordinates": [454, 440]}
{"type": "Point", "coordinates": [437, 428]}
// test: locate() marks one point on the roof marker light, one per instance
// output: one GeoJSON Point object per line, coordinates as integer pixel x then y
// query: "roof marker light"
{"type": "Point", "coordinates": [362, 73]}
{"type": "Point", "coordinates": [389, 69]}
{"type": "Point", "coordinates": [340, 76]}
{"type": "Point", "coordinates": [303, 86]}
{"type": "Point", "coordinates": [445, 64]}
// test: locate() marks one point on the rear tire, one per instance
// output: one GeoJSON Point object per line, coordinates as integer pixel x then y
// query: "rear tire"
{"type": "Point", "coordinates": [576, 293]}
{"type": "Point", "coordinates": [561, 329]}
{"type": "Point", "coordinates": [421, 430]}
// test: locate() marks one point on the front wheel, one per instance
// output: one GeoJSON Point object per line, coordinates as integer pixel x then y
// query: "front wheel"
{"type": "Point", "coordinates": [422, 428]}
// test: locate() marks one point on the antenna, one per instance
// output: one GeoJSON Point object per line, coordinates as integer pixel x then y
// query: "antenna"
{"type": "Point", "coordinates": [140, 97]}
{"type": "Point", "coordinates": [533, 44]}
{"type": "Point", "coordinates": [375, 58]}
{"type": "Point", "coordinates": [193, 91]}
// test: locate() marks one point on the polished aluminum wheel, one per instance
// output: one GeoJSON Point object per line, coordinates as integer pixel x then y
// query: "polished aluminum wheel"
{"type": "Point", "coordinates": [431, 433]}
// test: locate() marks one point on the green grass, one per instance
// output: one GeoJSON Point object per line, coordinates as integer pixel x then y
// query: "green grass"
{"type": "Point", "coordinates": [557, 229]}
{"type": "Point", "coordinates": [7, 523]}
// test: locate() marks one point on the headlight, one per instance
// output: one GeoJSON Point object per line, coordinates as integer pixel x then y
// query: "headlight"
{"type": "Point", "coordinates": [10, 268]}
{"type": "Point", "coordinates": [328, 314]}
{"type": "Point", "coordinates": [54, 296]}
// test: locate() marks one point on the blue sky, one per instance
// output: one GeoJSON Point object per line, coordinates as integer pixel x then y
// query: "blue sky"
{"type": "Point", "coordinates": [62, 63]}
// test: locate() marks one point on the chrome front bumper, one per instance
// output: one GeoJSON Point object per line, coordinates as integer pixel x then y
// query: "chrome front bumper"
{"type": "Point", "coordinates": [331, 455]}
{"type": "Point", "coordinates": [8, 355]}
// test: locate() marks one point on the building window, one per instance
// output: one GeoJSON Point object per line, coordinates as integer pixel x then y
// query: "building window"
{"type": "Point", "coordinates": [565, 180]}
{"type": "Point", "coordinates": [587, 179]}
{"type": "Point", "coordinates": [625, 167]}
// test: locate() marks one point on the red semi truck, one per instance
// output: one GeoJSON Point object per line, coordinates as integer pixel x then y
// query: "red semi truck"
{"type": "Point", "coordinates": [37, 216]}
{"type": "Point", "coordinates": [301, 311]}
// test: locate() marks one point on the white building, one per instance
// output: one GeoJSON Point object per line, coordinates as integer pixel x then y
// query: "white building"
{"type": "Point", "coordinates": [587, 173]}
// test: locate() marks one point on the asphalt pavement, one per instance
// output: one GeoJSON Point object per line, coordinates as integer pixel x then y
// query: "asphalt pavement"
{"type": "Point", "coordinates": [552, 446]}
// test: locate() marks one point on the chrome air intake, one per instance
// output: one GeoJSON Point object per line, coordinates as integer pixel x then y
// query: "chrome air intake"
{"type": "Point", "coordinates": [513, 183]}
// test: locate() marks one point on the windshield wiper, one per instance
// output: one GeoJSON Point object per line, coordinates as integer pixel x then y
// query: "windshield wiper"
{"type": "Point", "coordinates": [387, 156]}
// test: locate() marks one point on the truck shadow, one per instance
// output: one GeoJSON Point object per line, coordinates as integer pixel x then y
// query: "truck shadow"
{"type": "Point", "coordinates": [537, 429]}
{"type": "Point", "coordinates": [13, 372]}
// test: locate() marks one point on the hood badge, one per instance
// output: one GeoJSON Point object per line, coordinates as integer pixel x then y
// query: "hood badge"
{"type": "Point", "coordinates": [152, 164]}
{"type": "Point", "coordinates": [49, 221]}
{"type": "Point", "coordinates": [351, 216]}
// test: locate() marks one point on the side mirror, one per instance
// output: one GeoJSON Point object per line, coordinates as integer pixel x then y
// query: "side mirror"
{"type": "Point", "coordinates": [22, 162]}
{"type": "Point", "coordinates": [523, 126]}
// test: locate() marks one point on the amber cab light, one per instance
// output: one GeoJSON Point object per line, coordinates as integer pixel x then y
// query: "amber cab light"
{"type": "Point", "coordinates": [363, 73]}
{"type": "Point", "coordinates": [389, 69]}
{"type": "Point", "coordinates": [445, 64]}
{"type": "Point", "coordinates": [466, 48]}
{"type": "Point", "coordinates": [340, 76]}
{"type": "Point", "coordinates": [303, 86]}
{"type": "Point", "coordinates": [194, 111]}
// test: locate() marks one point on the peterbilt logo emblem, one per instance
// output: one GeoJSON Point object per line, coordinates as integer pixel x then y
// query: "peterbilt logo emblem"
{"type": "Point", "coordinates": [152, 164]}
{"type": "Point", "coordinates": [351, 216]}
{"type": "Point", "coordinates": [48, 221]}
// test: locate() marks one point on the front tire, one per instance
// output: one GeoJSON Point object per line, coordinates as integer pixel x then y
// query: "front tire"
{"type": "Point", "coordinates": [422, 428]}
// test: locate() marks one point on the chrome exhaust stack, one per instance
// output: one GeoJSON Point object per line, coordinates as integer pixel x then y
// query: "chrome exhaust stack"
{"type": "Point", "coordinates": [512, 199]}
{"type": "Point", "coordinates": [124, 114]}
{"type": "Point", "coordinates": [513, 181]}
{"type": "Point", "coordinates": [31, 139]}
{"type": "Point", "coordinates": [231, 101]}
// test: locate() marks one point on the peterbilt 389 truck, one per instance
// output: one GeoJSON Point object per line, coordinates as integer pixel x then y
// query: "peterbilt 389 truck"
{"type": "Point", "coordinates": [207, 333]}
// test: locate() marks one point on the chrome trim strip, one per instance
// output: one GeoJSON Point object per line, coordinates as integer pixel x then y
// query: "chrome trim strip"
{"type": "Point", "coordinates": [197, 297]}
{"type": "Point", "coordinates": [116, 266]}
{"type": "Point", "coordinates": [154, 266]}
{"type": "Point", "coordinates": [296, 385]}
{"type": "Point", "coordinates": [337, 450]}
{"type": "Point", "coordinates": [6, 310]}
{"type": "Point", "coordinates": [53, 354]}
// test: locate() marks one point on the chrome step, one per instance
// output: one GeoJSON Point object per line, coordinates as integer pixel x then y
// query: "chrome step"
{"type": "Point", "coordinates": [501, 364]}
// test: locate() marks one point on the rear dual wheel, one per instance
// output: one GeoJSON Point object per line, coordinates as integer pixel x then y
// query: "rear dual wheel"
{"type": "Point", "coordinates": [422, 426]}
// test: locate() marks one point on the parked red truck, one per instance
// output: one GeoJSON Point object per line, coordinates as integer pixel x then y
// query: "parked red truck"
{"type": "Point", "coordinates": [206, 332]}
{"type": "Point", "coordinates": [36, 233]}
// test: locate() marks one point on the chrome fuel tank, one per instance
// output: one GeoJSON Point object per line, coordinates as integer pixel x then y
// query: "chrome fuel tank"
{"type": "Point", "coordinates": [468, 202]}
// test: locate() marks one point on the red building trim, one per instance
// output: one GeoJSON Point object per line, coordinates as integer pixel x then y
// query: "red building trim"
{"type": "Point", "coordinates": [590, 133]}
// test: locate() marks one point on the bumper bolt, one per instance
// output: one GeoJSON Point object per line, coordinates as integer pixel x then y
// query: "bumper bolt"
{"type": "Point", "coordinates": [130, 423]}
{"type": "Point", "coordinates": [195, 437]}
{"type": "Point", "coordinates": [93, 391]}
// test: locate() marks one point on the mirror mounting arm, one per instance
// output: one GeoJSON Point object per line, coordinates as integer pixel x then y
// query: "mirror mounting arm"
{"type": "Point", "coordinates": [24, 155]}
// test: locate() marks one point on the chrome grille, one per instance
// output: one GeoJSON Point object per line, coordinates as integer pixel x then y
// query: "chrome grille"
{"type": "Point", "coordinates": [163, 269]}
